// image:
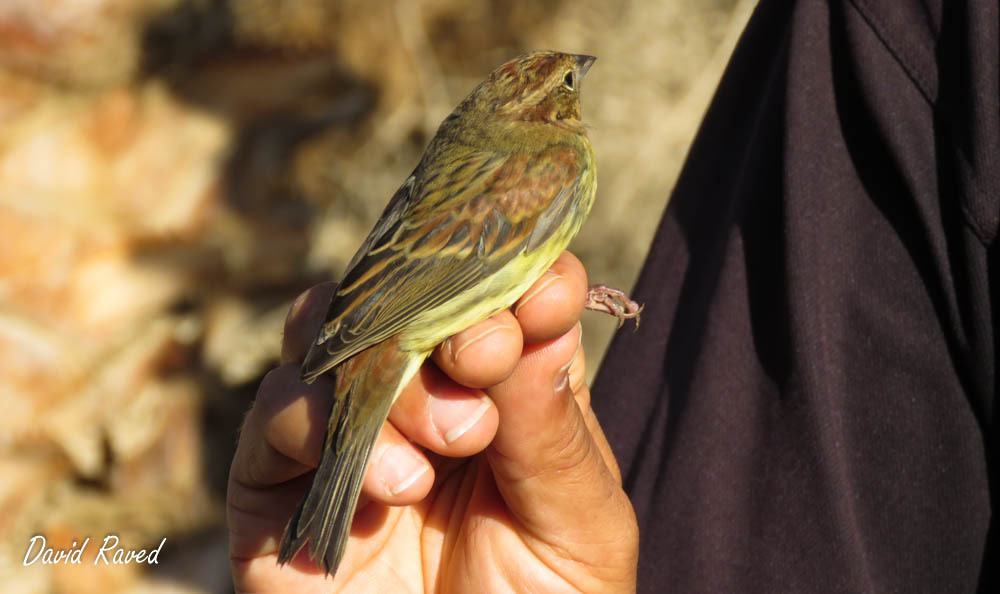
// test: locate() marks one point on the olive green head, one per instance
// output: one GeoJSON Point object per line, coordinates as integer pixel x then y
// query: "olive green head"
{"type": "Point", "coordinates": [542, 86]}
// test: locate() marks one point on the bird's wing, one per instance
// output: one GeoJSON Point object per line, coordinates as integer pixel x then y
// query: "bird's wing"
{"type": "Point", "coordinates": [443, 231]}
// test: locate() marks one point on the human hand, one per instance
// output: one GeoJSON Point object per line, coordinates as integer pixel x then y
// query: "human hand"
{"type": "Point", "coordinates": [454, 499]}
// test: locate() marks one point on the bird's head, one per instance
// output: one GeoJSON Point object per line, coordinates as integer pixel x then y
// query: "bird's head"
{"type": "Point", "coordinates": [542, 86]}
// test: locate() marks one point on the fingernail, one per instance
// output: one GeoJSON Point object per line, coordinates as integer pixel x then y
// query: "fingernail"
{"type": "Point", "coordinates": [459, 414]}
{"type": "Point", "coordinates": [400, 467]}
{"type": "Point", "coordinates": [565, 368]}
{"type": "Point", "coordinates": [579, 342]}
{"type": "Point", "coordinates": [562, 379]}
{"type": "Point", "coordinates": [456, 345]}
{"type": "Point", "coordinates": [562, 374]}
{"type": "Point", "coordinates": [548, 278]}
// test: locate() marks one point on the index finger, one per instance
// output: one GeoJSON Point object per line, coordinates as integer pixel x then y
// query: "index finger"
{"type": "Point", "coordinates": [303, 321]}
{"type": "Point", "coordinates": [553, 305]}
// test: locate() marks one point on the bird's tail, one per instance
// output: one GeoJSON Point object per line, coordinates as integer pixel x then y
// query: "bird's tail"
{"type": "Point", "coordinates": [366, 386]}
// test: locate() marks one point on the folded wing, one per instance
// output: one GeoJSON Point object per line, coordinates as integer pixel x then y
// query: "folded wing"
{"type": "Point", "coordinates": [443, 231]}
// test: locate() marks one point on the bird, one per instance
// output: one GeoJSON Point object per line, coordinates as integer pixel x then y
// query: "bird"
{"type": "Point", "coordinates": [501, 189]}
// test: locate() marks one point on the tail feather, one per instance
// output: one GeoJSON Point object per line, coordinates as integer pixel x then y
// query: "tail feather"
{"type": "Point", "coordinates": [366, 386]}
{"type": "Point", "coordinates": [324, 517]}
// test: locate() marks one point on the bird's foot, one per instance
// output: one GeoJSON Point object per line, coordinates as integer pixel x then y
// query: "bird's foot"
{"type": "Point", "coordinates": [614, 302]}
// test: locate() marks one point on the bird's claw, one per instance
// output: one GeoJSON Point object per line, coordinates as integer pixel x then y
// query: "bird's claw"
{"type": "Point", "coordinates": [614, 302]}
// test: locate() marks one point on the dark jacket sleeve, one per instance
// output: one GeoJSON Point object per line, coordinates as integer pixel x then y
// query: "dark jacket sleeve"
{"type": "Point", "coordinates": [809, 404]}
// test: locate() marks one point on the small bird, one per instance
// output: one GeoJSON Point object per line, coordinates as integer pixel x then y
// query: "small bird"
{"type": "Point", "coordinates": [500, 191]}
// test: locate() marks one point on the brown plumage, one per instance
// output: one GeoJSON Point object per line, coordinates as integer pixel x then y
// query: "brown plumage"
{"type": "Point", "coordinates": [500, 191]}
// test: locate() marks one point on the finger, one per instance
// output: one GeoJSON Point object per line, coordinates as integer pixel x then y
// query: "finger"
{"type": "Point", "coordinates": [399, 473]}
{"type": "Point", "coordinates": [454, 421]}
{"type": "Point", "coordinates": [581, 393]}
{"type": "Point", "coordinates": [483, 355]}
{"type": "Point", "coordinates": [264, 480]}
{"type": "Point", "coordinates": [553, 305]}
{"type": "Point", "coordinates": [601, 440]}
{"type": "Point", "coordinates": [303, 320]}
{"type": "Point", "coordinates": [548, 466]}
{"type": "Point", "coordinates": [441, 409]}
{"type": "Point", "coordinates": [284, 433]}
{"type": "Point", "coordinates": [444, 416]}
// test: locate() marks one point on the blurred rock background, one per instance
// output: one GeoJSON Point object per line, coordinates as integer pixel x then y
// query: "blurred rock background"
{"type": "Point", "coordinates": [174, 172]}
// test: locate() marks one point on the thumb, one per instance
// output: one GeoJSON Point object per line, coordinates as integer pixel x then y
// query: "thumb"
{"type": "Point", "coordinates": [549, 468]}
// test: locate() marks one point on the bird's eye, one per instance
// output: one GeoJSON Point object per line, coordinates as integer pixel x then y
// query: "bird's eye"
{"type": "Point", "coordinates": [568, 80]}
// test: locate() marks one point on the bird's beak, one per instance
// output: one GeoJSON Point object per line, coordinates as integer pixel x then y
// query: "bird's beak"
{"type": "Point", "coordinates": [583, 64]}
